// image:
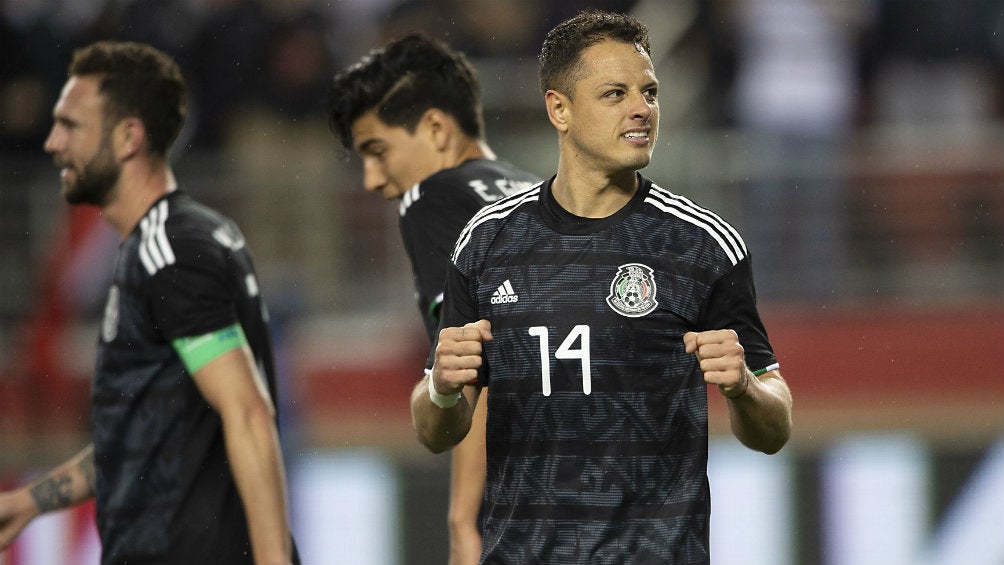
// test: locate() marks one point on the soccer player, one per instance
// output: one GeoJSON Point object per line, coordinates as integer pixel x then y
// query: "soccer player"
{"type": "Point", "coordinates": [412, 112]}
{"type": "Point", "coordinates": [184, 462]}
{"type": "Point", "coordinates": [598, 307]}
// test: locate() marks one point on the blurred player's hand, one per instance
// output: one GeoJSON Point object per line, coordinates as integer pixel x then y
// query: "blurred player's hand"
{"type": "Point", "coordinates": [16, 510]}
{"type": "Point", "coordinates": [722, 359]}
{"type": "Point", "coordinates": [458, 356]}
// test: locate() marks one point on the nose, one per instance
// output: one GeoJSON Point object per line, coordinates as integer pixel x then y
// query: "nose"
{"type": "Point", "coordinates": [642, 106]}
{"type": "Point", "coordinates": [374, 178]}
{"type": "Point", "coordinates": [54, 142]}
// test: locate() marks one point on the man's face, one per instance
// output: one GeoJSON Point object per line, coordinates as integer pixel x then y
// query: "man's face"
{"type": "Point", "coordinates": [394, 160]}
{"type": "Point", "coordinates": [614, 118]}
{"type": "Point", "coordinates": [81, 146]}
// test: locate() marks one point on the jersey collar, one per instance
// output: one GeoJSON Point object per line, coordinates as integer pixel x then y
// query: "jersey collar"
{"type": "Point", "coordinates": [563, 221]}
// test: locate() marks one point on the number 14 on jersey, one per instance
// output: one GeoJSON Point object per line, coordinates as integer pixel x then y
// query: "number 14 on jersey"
{"type": "Point", "coordinates": [574, 346]}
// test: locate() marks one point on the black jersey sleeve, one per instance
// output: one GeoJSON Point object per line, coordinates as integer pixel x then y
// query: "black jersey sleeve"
{"type": "Point", "coordinates": [429, 230]}
{"type": "Point", "coordinates": [191, 296]}
{"type": "Point", "coordinates": [732, 305]}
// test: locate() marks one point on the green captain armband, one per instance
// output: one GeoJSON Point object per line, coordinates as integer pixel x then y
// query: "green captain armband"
{"type": "Point", "coordinates": [196, 352]}
{"type": "Point", "coordinates": [773, 367]}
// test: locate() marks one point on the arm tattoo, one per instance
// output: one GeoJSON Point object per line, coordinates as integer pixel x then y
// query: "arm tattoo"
{"type": "Point", "coordinates": [53, 493]}
{"type": "Point", "coordinates": [55, 490]}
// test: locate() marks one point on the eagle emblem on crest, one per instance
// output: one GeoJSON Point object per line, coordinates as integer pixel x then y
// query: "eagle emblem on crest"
{"type": "Point", "coordinates": [632, 292]}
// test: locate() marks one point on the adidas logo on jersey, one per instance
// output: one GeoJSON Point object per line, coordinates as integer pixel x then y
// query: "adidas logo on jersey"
{"type": "Point", "coordinates": [505, 294]}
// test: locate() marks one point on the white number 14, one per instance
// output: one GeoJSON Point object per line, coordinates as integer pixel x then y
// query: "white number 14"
{"type": "Point", "coordinates": [565, 351]}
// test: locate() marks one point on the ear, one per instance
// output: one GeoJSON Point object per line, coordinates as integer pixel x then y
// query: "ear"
{"type": "Point", "coordinates": [128, 136]}
{"type": "Point", "coordinates": [438, 126]}
{"type": "Point", "coordinates": [558, 109]}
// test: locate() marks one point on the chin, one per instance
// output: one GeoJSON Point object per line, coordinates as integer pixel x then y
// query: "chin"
{"type": "Point", "coordinates": [639, 164]}
{"type": "Point", "coordinates": [71, 195]}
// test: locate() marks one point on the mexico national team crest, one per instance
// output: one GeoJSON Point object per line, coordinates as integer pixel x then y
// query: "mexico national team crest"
{"type": "Point", "coordinates": [632, 292]}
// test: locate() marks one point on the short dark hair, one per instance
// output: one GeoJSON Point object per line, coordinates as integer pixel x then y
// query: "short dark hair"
{"type": "Point", "coordinates": [561, 55]}
{"type": "Point", "coordinates": [402, 80]}
{"type": "Point", "coordinates": [137, 80]}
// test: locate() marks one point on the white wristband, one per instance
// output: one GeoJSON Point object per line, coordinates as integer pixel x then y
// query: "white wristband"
{"type": "Point", "coordinates": [442, 400]}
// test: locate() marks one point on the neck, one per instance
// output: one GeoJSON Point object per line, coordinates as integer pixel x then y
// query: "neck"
{"type": "Point", "coordinates": [139, 186]}
{"type": "Point", "coordinates": [593, 194]}
{"type": "Point", "coordinates": [468, 150]}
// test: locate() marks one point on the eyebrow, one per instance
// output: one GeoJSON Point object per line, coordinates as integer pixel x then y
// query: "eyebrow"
{"type": "Point", "coordinates": [624, 85]}
{"type": "Point", "coordinates": [366, 145]}
{"type": "Point", "coordinates": [613, 83]}
{"type": "Point", "coordinates": [64, 120]}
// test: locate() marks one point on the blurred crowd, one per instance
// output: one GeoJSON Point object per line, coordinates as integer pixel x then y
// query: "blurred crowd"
{"type": "Point", "coordinates": [803, 65]}
{"type": "Point", "coordinates": [278, 54]}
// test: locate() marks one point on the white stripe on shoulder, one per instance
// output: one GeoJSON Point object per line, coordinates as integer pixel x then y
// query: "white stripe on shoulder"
{"type": "Point", "coordinates": [155, 250]}
{"type": "Point", "coordinates": [685, 209]}
{"type": "Point", "coordinates": [409, 198]}
{"type": "Point", "coordinates": [496, 210]}
{"type": "Point", "coordinates": [161, 235]}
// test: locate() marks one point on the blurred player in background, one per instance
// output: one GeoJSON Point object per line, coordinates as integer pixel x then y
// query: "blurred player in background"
{"type": "Point", "coordinates": [598, 307]}
{"type": "Point", "coordinates": [184, 462]}
{"type": "Point", "coordinates": [412, 112]}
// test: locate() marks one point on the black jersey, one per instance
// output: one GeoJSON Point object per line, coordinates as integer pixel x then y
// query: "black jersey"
{"type": "Point", "coordinates": [165, 493]}
{"type": "Point", "coordinates": [597, 421]}
{"type": "Point", "coordinates": [435, 210]}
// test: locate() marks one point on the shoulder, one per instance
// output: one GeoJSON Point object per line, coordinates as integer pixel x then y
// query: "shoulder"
{"type": "Point", "coordinates": [487, 222]}
{"type": "Point", "coordinates": [190, 220]}
{"type": "Point", "coordinates": [179, 230]}
{"type": "Point", "coordinates": [702, 222]}
{"type": "Point", "coordinates": [442, 191]}
{"type": "Point", "coordinates": [472, 184]}
{"type": "Point", "coordinates": [492, 180]}
{"type": "Point", "coordinates": [178, 210]}
{"type": "Point", "coordinates": [484, 170]}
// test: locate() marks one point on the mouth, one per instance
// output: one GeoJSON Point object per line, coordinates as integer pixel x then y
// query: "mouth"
{"type": "Point", "coordinates": [62, 164]}
{"type": "Point", "coordinates": [637, 136]}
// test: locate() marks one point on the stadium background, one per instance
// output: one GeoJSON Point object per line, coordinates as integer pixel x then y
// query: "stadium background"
{"type": "Point", "coordinates": [879, 124]}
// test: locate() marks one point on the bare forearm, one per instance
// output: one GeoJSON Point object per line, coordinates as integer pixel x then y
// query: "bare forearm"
{"type": "Point", "coordinates": [467, 486]}
{"type": "Point", "coordinates": [438, 428]}
{"type": "Point", "coordinates": [761, 417]}
{"type": "Point", "coordinates": [67, 485]}
{"type": "Point", "coordinates": [256, 462]}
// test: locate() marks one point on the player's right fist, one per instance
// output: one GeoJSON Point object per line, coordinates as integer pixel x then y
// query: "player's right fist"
{"type": "Point", "coordinates": [458, 356]}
